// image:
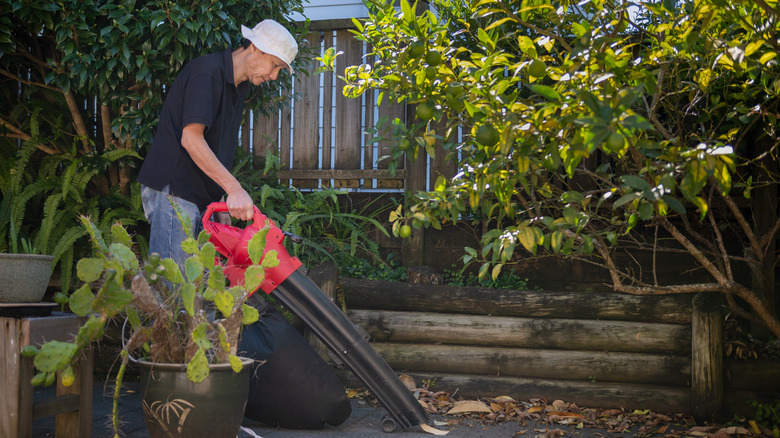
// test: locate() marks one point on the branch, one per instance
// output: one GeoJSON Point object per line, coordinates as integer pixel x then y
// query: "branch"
{"type": "Point", "coordinates": [766, 239]}
{"type": "Point", "coordinates": [105, 119]}
{"type": "Point", "coordinates": [78, 121]}
{"type": "Point", "coordinates": [26, 82]}
{"type": "Point", "coordinates": [695, 252]}
{"type": "Point", "coordinates": [768, 9]}
{"type": "Point", "coordinates": [721, 246]}
{"type": "Point", "coordinates": [743, 223]}
{"type": "Point", "coordinates": [17, 133]}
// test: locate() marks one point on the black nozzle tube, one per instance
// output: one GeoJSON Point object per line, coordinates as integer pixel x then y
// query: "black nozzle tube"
{"type": "Point", "coordinates": [305, 299]}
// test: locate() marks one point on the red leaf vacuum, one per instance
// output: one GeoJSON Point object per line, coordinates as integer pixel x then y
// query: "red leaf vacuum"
{"type": "Point", "coordinates": [289, 284]}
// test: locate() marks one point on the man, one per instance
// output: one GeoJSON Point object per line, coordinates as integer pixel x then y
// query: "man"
{"type": "Point", "coordinates": [193, 149]}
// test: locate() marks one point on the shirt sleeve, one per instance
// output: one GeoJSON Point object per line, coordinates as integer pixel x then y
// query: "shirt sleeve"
{"type": "Point", "coordinates": [199, 101]}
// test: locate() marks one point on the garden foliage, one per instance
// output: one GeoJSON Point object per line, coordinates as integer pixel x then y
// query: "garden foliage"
{"type": "Point", "coordinates": [581, 128]}
{"type": "Point", "coordinates": [83, 83]}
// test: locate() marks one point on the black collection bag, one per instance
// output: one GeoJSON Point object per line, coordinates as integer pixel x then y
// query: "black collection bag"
{"type": "Point", "coordinates": [294, 388]}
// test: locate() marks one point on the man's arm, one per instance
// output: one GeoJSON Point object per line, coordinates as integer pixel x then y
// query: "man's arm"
{"type": "Point", "coordinates": [238, 201]}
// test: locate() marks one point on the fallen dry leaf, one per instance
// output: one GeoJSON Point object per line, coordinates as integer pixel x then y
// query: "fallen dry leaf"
{"type": "Point", "coordinates": [560, 405]}
{"type": "Point", "coordinates": [720, 434]}
{"type": "Point", "coordinates": [495, 407]}
{"type": "Point", "coordinates": [535, 409]}
{"type": "Point", "coordinates": [468, 406]}
{"type": "Point", "coordinates": [735, 430]}
{"type": "Point", "coordinates": [432, 430]}
{"type": "Point", "coordinates": [504, 399]}
{"type": "Point", "coordinates": [408, 381]}
{"type": "Point", "coordinates": [565, 414]}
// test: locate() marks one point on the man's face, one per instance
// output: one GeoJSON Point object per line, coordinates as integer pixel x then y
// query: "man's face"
{"type": "Point", "coordinates": [264, 67]}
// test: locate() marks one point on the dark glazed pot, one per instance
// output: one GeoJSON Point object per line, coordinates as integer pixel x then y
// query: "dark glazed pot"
{"type": "Point", "coordinates": [175, 407]}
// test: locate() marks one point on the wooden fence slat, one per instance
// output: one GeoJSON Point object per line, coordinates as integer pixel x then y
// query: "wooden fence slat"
{"type": "Point", "coordinates": [554, 333]}
{"type": "Point", "coordinates": [327, 112]}
{"type": "Point", "coordinates": [390, 295]}
{"type": "Point", "coordinates": [348, 111]}
{"type": "Point", "coordinates": [306, 111]}
{"type": "Point", "coordinates": [658, 398]}
{"type": "Point", "coordinates": [707, 357]}
{"type": "Point", "coordinates": [265, 135]}
{"type": "Point", "coordinates": [538, 363]}
{"type": "Point", "coordinates": [389, 110]}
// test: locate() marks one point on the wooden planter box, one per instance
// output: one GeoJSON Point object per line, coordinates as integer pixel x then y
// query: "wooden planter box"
{"type": "Point", "coordinates": [595, 349]}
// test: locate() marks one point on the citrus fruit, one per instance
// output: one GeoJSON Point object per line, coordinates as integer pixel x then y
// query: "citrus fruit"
{"type": "Point", "coordinates": [487, 135]}
{"type": "Point", "coordinates": [453, 91]}
{"type": "Point", "coordinates": [416, 49]}
{"type": "Point", "coordinates": [615, 142]}
{"type": "Point", "coordinates": [537, 68]}
{"type": "Point", "coordinates": [404, 144]}
{"type": "Point", "coordinates": [424, 111]}
{"type": "Point", "coordinates": [430, 73]}
{"type": "Point", "coordinates": [405, 231]}
{"type": "Point", "coordinates": [433, 58]}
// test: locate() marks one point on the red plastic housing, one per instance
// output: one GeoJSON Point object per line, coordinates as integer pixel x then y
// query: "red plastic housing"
{"type": "Point", "coordinates": [232, 242]}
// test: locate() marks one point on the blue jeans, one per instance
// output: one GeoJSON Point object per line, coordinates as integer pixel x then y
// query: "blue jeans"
{"type": "Point", "coordinates": [166, 233]}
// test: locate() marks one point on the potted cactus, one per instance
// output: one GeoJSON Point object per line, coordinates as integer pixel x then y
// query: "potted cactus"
{"type": "Point", "coordinates": [184, 321]}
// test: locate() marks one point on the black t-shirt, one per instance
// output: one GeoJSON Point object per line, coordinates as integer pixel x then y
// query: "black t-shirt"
{"type": "Point", "coordinates": [204, 92]}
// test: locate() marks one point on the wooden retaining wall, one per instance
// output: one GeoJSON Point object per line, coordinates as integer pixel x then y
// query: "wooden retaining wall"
{"type": "Point", "coordinates": [595, 349]}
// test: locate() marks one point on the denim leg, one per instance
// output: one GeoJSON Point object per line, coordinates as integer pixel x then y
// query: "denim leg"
{"type": "Point", "coordinates": [167, 234]}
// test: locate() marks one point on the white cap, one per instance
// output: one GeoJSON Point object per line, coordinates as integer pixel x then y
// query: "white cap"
{"type": "Point", "coordinates": [273, 38]}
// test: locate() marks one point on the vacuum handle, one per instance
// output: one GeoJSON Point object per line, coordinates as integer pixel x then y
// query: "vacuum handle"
{"type": "Point", "coordinates": [258, 218]}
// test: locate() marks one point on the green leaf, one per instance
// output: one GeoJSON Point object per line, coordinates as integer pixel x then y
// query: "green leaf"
{"type": "Point", "coordinates": [207, 254]}
{"type": "Point", "coordinates": [235, 363]}
{"type": "Point", "coordinates": [190, 246]}
{"type": "Point", "coordinates": [529, 237]}
{"type": "Point", "coordinates": [256, 246]}
{"type": "Point", "coordinates": [187, 292]}
{"type": "Point", "coordinates": [198, 368]}
{"type": "Point", "coordinates": [125, 256]}
{"type": "Point", "coordinates": [545, 91]}
{"type": "Point", "coordinates": [625, 199]}
{"type": "Point", "coordinates": [171, 271]}
{"type": "Point", "coordinates": [193, 268]}
{"type": "Point", "coordinates": [200, 336]}
{"type": "Point", "coordinates": [571, 214]}
{"type": "Point", "coordinates": [89, 269]}
{"type": "Point", "coordinates": [112, 296]}
{"type": "Point", "coordinates": [635, 182]}
{"type": "Point", "coordinates": [556, 238]}
{"type": "Point", "coordinates": [645, 210]}
{"type": "Point", "coordinates": [674, 204]}
{"type": "Point", "coordinates": [250, 314]}
{"type": "Point", "coordinates": [702, 205]}
{"type": "Point", "coordinates": [55, 356]}
{"type": "Point", "coordinates": [270, 260]}
{"type": "Point", "coordinates": [496, 271]}
{"type": "Point", "coordinates": [254, 277]}
{"type": "Point", "coordinates": [225, 303]}
{"type": "Point", "coordinates": [120, 235]}
{"type": "Point", "coordinates": [81, 300]}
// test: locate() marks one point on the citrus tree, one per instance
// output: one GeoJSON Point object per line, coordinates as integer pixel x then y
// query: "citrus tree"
{"type": "Point", "coordinates": [584, 128]}
{"type": "Point", "coordinates": [82, 84]}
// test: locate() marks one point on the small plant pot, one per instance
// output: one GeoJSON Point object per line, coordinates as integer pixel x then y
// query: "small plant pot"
{"type": "Point", "coordinates": [24, 277]}
{"type": "Point", "coordinates": [175, 407]}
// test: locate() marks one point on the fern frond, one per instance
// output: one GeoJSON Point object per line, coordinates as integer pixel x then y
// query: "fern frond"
{"type": "Point", "coordinates": [47, 224]}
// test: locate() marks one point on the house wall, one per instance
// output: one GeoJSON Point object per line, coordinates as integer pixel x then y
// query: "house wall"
{"type": "Point", "coordinates": [330, 10]}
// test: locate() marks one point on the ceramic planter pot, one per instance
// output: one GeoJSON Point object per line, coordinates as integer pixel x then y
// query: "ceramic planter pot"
{"type": "Point", "coordinates": [24, 277]}
{"type": "Point", "coordinates": [175, 407]}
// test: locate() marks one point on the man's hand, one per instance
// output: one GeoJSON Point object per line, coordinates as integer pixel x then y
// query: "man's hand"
{"type": "Point", "coordinates": [240, 205]}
